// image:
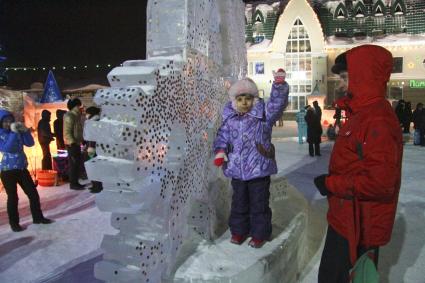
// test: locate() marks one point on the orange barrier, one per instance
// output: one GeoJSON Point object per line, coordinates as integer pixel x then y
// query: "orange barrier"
{"type": "Point", "coordinates": [47, 178]}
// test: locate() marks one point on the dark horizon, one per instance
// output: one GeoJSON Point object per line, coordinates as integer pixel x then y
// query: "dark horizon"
{"type": "Point", "coordinates": [47, 33]}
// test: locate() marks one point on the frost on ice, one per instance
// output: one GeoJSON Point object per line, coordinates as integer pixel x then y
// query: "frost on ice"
{"type": "Point", "coordinates": [154, 138]}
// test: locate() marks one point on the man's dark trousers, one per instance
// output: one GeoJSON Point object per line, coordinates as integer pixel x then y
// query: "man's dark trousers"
{"type": "Point", "coordinates": [313, 150]}
{"type": "Point", "coordinates": [74, 163]}
{"type": "Point", "coordinates": [250, 213]}
{"type": "Point", "coordinates": [46, 162]}
{"type": "Point", "coordinates": [335, 264]}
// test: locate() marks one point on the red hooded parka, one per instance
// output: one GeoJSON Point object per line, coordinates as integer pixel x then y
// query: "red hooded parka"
{"type": "Point", "coordinates": [365, 167]}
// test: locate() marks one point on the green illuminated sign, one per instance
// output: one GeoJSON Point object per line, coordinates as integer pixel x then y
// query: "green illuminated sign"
{"type": "Point", "coordinates": [417, 84]}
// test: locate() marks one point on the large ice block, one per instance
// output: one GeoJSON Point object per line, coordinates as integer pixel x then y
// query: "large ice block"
{"type": "Point", "coordinates": [154, 139]}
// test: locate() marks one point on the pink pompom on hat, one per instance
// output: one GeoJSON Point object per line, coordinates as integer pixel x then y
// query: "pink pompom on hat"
{"type": "Point", "coordinates": [243, 86]}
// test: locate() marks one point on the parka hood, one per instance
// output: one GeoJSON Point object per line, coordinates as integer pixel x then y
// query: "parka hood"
{"type": "Point", "coordinates": [369, 69]}
{"type": "Point", "coordinates": [46, 115]}
{"type": "Point", "coordinates": [4, 114]}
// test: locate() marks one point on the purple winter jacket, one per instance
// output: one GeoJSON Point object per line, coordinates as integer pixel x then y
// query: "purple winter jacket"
{"type": "Point", "coordinates": [240, 134]}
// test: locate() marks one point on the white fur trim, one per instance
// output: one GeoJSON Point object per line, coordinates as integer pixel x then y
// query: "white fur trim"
{"type": "Point", "coordinates": [14, 127]}
{"type": "Point", "coordinates": [221, 155]}
{"type": "Point", "coordinates": [244, 86]}
{"type": "Point", "coordinates": [279, 74]}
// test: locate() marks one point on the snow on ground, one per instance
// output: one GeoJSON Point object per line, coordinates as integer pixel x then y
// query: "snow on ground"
{"type": "Point", "coordinates": [42, 251]}
{"type": "Point", "coordinates": [67, 250]}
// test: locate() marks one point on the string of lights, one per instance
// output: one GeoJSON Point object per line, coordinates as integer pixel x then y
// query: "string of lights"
{"type": "Point", "coordinates": [38, 68]}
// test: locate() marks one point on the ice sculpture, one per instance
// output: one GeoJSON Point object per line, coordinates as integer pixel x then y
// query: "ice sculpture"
{"type": "Point", "coordinates": [154, 138]}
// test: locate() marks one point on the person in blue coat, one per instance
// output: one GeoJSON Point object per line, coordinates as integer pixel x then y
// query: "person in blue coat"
{"type": "Point", "coordinates": [302, 126]}
{"type": "Point", "coordinates": [13, 170]}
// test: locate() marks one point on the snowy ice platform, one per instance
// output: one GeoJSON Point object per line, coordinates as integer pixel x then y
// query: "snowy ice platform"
{"type": "Point", "coordinates": [280, 260]}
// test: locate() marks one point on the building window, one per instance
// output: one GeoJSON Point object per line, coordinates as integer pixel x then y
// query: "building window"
{"type": "Point", "coordinates": [258, 19]}
{"type": "Point", "coordinates": [398, 10]}
{"type": "Point", "coordinates": [250, 68]}
{"type": "Point", "coordinates": [378, 11]}
{"type": "Point", "coordinates": [399, 23]}
{"type": "Point", "coordinates": [397, 65]}
{"type": "Point", "coordinates": [340, 14]}
{"type": "Point", "coordinates": [395, 92]}
{"type": "Point", "coordinates": [379, 21]}
{"type": "Point", "coordinates": [298, 65]}
{"type": "Point", "coordinates": [259, 68]}
{"type": "Point", "coordinates": [303, 101]}
{"type": "Point", "coordinates": [296, 102]}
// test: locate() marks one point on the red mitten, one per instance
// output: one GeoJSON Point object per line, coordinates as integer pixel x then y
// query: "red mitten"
{"type": "Point", "coordinates": [220, 158]}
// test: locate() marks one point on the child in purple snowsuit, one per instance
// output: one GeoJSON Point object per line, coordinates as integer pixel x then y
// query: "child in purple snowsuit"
{"type": "Point", "coordinates": [243, 146]}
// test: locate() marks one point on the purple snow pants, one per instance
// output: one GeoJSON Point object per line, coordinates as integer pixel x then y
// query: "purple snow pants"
{"type": "Point", "coordinates": [250, 213]}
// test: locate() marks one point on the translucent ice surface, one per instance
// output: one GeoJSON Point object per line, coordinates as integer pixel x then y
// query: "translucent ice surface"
{"type": "Point", "coordinates": [154, 138]}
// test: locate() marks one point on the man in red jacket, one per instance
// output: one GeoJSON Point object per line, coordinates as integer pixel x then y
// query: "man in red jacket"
{"type": "Point", "coordinates": [364, 177]}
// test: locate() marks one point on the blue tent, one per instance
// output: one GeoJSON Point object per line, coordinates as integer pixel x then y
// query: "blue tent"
{"type": "Point", "coordinates": [51, 90]}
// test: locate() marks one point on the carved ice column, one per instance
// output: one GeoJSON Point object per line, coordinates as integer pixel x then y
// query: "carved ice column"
{"type": "Point", "coordinates": [154, 138]}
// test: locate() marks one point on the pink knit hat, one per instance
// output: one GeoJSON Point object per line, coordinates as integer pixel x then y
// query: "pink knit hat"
{"type": "Point", "coordinates": [243, 86]}
{"type": "Point", "coordinates": [279, 73]}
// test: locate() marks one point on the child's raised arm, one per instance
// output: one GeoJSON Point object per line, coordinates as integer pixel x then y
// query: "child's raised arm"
{"type": "Point", "coordinates": [278, 97]}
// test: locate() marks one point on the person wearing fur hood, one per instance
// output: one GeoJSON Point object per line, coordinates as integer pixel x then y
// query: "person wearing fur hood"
{"type": "Point", "coordinates": [13, 170]}
{"type": "Point", "coordinates": [243, 148]}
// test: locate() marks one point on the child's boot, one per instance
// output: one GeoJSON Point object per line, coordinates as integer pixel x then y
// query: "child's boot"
{"type": "Point", "coordinates": [238, 239]}
{"type": "Point", "coordinates": [256, 243]}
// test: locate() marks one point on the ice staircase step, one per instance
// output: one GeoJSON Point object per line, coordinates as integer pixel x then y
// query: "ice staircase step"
{"type": "Point", "coordinates": [111, 170]}
{"type": "Point", "coordinates": [280, 260]}
{"type": "Point", "coordinates": [135, 74]}
{"type": "Point", "coordinates": [131, 96]}
{"type": "Point", "coordinates": [134, 249]}
{"type": "Point", "coordinates": [110, 131]}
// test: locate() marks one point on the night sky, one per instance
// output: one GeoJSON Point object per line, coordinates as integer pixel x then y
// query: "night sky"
{"type": "Point", "coordinates": [44, 33]}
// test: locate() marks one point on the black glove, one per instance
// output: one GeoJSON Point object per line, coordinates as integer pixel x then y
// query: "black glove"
{"type": "Point", "coordinates": [320, 183]}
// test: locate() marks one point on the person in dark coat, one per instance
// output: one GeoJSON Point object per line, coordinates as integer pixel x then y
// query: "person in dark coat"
{"type": "Point", "coordinates": [337, 116]}
{"type": "Point", "coordinates": [314, 131]}
{"type": "Point", "coordinates": [418, 119]}
{"type": "Point", "coordinates": [363, 183]}
{"type": "Point", "coordinates": [13, 170]}
{"type": "Point", "coordinates": [407, 117]}
{"type": "Point", "coordinates": [317, 110]}
{"type": "Point", "coordinates": [399, 111]}
{"type": "Point", "coordinates": [93, 114]}
{"type": "Point", "coordinates": [45, 137]}
{"type": "Point", "coordinates": [58, 129]}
